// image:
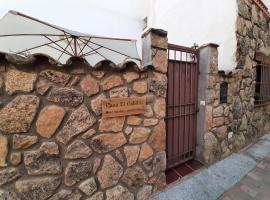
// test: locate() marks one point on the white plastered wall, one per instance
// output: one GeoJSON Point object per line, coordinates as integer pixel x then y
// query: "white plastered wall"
{"type": "Point", "coordinates": [201, 22]}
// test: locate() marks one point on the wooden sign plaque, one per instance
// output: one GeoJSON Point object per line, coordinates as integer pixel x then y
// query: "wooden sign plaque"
{"type": "Point", "coordinates": [116, 107]}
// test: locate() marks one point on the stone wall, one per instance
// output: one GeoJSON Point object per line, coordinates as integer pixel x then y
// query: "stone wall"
{"type": "Point", "coordinates": [233, 125]}
{"type": "Point", "coordinates": [55, 144]}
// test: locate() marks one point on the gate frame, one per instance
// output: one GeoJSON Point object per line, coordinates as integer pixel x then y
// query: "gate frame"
{"type": "Point", "coordinates": [196, 53]}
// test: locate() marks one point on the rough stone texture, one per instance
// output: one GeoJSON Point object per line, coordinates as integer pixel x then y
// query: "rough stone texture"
{"type": "Point", "coordinates": [96, 196]}
{"type": "Point", "coordinates": [8, 174]}
{"type": "Point", "coordinates": [140, 87]}
{"type": "Point", "coordinates": [158, 138]}
{"type": "Point", "coordinates": [119, 155]}
{"type": "Point", "coordinates": [211, 148]}
{"type": "Point", "coordinates": [68, 125]}
{"type": "Point", "coordinates": [88, 134]}
{"type": "Point", "coordinates": [49, 120]}
{"type": "Point", "coordinates": [15, 158]}
{"type": "Point", "coordinates": [18, 115]}
{"type": "Point", "coordinates": [160, 108]}
{"type": "Point", "coordinates": [158, 84]}
{"type": "Point", "coordinates": [134, 120]}
{"type": "Point", "coordinates": [114, 124]}
{"type": "Point", "coordinates": [75, 195]}
{"type": "Point", "coordinates": [42, 86]}
{"type": "Point", "coordinates": [231, 126]}
{"type": "Point", "coordinates": [49, 148]}
{"type": "Point", "coordinates": [96, 103]}
{"type": "Point", "coordinates": [139, 135]}
{"type": "Point", "coordinates": [146, 152]}
{"type": "Point", "coordinates": [40, 162]}
{"type": "Point", "coordinates": [161, 42]}
{"type": "Point", "coordinates": [144, 192]}
{"type": "Point", "coordinates": [8, 195]}
{"type": "Point", "coordinates": [131, 153]}
{"type": "Point", "coordinates": [131, 76]}
{"type": "Point", "coordinates": [37, 188]}
{"type": "Point", "coordinates": [79, 121]}
{"type": "Point", "coordinates": [55, 76]}
{"type": "Point", "coordinates": [160, 183]}
{"type": "Point", "coordinates": [18, 81]}
{"type": "Point", "coordinates": [96, 164]}
{"type": "Point", "coordinates": [23, 141]}
{"type": "Point", "coordinates": [128, 130]}
{"type": "Point", "coordinates": [110, 172]}
{"type": "Point", "coordinates": [89, 186]}
{"type": "Point", "coordinates": [160, 61]}
{"type": "Point", "coordinates": [134, 177]}
{"type": "Point", "coordinates": [78, 149]}
{"type": "Point", "coordinates": [104, 143]}
{"type": "Point", "coordinates": [119, 193]}
{"type": "Point", "coordinates": [62, 194]}
{"type": "Point", "coordinates": [119, 92]}
{"type": "Point", "coordinates": [74, 81]}
{"type": "Point", "coordinates": [150, 122]}
{"type": "Point", "coordinates": [221, 132]}
{"type": "Point", "coordinates": [77, 171]}
{"type": "Point", "coordinates": [3, 150]}
{"type": "Point", "coordinates": [159, 162]}
{"type": "Point", "coordinates": [89, 85]}
{"type": "Point", "coordinates": [148, 111]}
{"type": "Point", "coordinates": [111, 82]}
{"type": "Point", "coordinates": [66, 96]}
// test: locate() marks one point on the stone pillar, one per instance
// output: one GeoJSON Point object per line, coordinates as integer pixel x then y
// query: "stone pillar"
{"type": "Point", "coordinates": [154, 52]}
{"type": "Point", "coordinates": [208, 72]}
{"type": "Point", "coordinates": [155, 45]}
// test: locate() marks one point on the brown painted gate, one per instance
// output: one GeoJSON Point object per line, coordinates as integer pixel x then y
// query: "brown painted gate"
{"type": "Point", "coordinates": [181, 104]}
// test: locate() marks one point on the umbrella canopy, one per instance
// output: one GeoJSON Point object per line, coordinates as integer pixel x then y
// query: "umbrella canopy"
{"type": "Point", "coordinates": [23, 35]}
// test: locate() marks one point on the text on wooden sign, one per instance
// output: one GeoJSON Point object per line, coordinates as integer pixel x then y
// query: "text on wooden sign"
{"type": "Point", "coordinates": [123, 106]}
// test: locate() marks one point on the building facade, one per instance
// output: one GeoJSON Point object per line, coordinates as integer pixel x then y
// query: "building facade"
{"type": "Point", "coordinates": [56, 144]}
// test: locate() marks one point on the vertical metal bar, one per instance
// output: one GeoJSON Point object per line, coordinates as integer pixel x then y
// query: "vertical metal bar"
{"type": "Point", "coordinates": [176, 104]}
{"type": "Point", "coordinates": [190, 110]}
{"type": "Point", "coordinates": [261, 85]}
{"type": "Point", "coordinates": [173, 103]}
{"type": "Point", "coordinates": [268, 85]}
{"type": "Point", "coordinates": [185, 102]}
{"type": "Point", "coordinates": [264, 82]}
{"type": "Point", "coordinates": [180, 107]}
{"type": "Point", "coordinates": [167, 112]}
{"type": "Point", "coordinates": [75, 45]}
{"type": "Point", "coordinates": [188, 97]}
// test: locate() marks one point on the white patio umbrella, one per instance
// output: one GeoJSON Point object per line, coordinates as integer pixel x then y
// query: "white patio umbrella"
{"type": "Point", "coordinates": [23, 35]}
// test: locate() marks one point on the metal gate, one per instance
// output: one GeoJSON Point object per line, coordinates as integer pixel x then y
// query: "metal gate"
{"type": "Point", "coordinates": [182, 107]}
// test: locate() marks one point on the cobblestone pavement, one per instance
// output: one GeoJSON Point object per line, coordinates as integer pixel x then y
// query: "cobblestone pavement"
{"type": "Point", "coordinates": [241, 176]}
{"type": "Point", "coordinates": [254, 186]}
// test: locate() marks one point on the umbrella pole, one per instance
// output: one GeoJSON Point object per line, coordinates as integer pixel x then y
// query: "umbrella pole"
{"type": "Point", "coordinates": [75, 45]}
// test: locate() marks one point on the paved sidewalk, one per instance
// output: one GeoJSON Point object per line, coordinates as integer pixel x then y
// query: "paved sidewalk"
{"type": "Point", "coordinates": [254, 186]}
{"type": "Point", "coordinates": [227, 175]}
